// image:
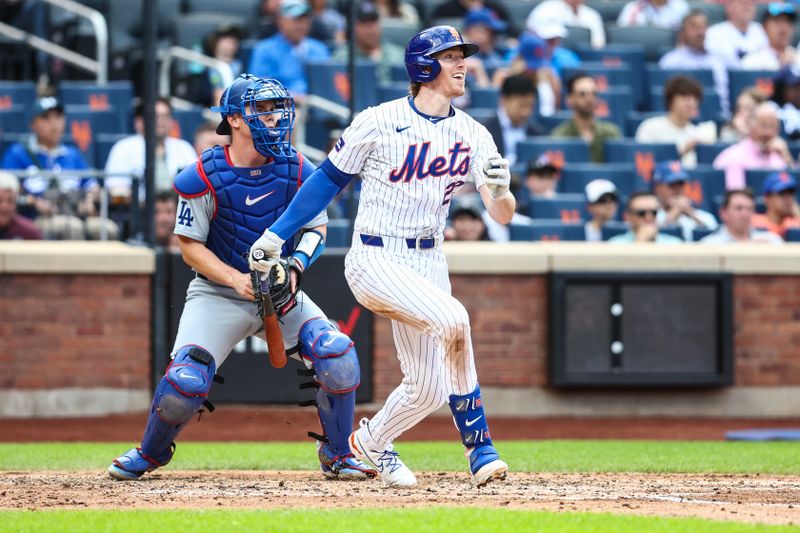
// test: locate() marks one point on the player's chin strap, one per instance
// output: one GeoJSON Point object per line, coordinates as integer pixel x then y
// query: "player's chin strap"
{"type": "Point", "coordinates": [310, 247]}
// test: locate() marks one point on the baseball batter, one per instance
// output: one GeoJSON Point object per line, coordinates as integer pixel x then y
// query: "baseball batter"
{"type": "Point", "coordinates": [226, 201]}
{"type": "Point", "coordinates": [413, 154]}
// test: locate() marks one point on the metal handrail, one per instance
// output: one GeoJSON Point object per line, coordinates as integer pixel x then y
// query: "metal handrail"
{"type": "Point", "coordinates": [179, 52]}
{"type": "Point", "coordinates": [312, 101]}
{"type": "Point", "coordinates": [99, 67]}
{"type": "Point", "coordinates": [99, 175]}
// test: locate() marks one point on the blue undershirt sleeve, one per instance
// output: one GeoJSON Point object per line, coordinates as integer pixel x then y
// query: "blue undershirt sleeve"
{"type": "Point", "coordinates": [313, 196]}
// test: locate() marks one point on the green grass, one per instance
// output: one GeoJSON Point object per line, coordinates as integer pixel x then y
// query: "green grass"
{"type": "Point", "coordinates": [439, 519]}
{"type": "Point", "coordinates": [533, 456]}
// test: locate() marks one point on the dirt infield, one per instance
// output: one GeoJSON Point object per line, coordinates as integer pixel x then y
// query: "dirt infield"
{"type": "Point", "coordinates": [741, 498]}
{"type": "Point", "coordinates": [259, 423]}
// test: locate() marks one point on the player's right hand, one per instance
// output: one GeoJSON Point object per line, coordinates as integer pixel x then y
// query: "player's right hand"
{"type": "Point", "coordinates": [265, 252]}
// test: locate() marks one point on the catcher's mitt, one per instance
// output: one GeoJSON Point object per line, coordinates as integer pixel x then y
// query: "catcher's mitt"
{"type": "Point", "coordinates": [277, 284]}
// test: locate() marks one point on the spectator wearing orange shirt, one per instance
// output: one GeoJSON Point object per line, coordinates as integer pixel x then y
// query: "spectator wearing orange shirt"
{"type": "Point", "coordinates": [780, 190]}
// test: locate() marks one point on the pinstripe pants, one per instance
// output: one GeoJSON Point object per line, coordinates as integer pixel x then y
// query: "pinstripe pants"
{"type": "Point", "coordinates": [431, 330]}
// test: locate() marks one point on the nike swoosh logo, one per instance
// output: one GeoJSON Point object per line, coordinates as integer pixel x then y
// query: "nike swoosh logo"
{"type": "Point", "coordinates": [470, 423]}
{"type": "Point", "coordinates": [252, 201]}
{"type": "Point", "coordinates": [398, 129]}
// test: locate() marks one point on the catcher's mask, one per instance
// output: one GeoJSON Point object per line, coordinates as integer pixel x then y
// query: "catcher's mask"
{"type": "Point", "coordinates": [243, 97]}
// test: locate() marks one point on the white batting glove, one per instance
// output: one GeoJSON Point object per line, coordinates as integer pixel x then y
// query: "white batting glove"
{"type": "Point", "coordinates": [497, 176]}
{"type": "Point", "coordinates": [265, 252]}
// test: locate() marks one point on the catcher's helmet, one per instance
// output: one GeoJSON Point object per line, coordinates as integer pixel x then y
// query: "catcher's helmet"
{"type": "Point", "coordinates": [420, 64]}
{"type": "Point", "coordinates": [242, 97]}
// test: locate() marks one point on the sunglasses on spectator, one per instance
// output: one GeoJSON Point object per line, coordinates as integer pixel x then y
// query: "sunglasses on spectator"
{"type": "Point", "coordinates": [585, 93]}
{"type": "Point", "coordinates": [606, 199]}
{"type": "Point", "coordinates": [641, 213]}
{"type": "Point", "coordinates": [777, 8]}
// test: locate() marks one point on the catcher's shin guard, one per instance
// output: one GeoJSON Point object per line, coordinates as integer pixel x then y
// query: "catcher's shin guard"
{"type": "Point", "coordinates": [332, 357]}
{"type": "Point", "coordinates": [179, 395]}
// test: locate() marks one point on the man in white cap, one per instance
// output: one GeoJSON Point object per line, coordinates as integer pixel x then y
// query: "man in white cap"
{"type": "Point", "coordinates": [552, 32]}
{"type": "Point", "coordinates": [571, 13]}
{"type": "Point", "coordinates": [602, 204]}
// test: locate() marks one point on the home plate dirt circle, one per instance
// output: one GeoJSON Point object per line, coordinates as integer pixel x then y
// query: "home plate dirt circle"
{"type": "Point", "coordinates": [741, 498]}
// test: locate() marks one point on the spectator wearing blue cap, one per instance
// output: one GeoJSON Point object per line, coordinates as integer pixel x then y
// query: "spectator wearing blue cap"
{"type": "Point", "coordinates": [284, 55]}
{"type": "Point", "coordinates": [669, 186]}
{"type": "Point", "coordinates": [640, 214]}
{"type": "Point", "coordinates": [778, 22]}
{"type": "Point", "coordinates": [780, 197]}
{"type": "Point", "coordinates": [786, 94]}
{"type": "Point", "coordinates": [482, 26]}
{"type": "Point", "coordinates": [582, 100]}
{"type": "Point", "coordinates": [369, 43]}
{"type": "Point", "coordinates": [460, 8]}
{"type": "Point", "coordinates": [56, 205]}
{"type": "Point", "coordinates": [533, 60]}
{"type": "Point", "coordinates": [736, 212]}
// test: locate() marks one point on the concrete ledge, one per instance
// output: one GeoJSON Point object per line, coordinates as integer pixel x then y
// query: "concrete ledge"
{"type": "Point", "coordinates": [61, 403]}
{"type": "Point", "coordinates": [75, 257]}
{"type": "Point", "coordinates": [543, 257]}
{"type": "Point", "coordinates": [732, 402]}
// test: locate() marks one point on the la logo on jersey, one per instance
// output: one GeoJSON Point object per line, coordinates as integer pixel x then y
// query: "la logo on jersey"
{"type": "Point", "coordinates": [413, 166]}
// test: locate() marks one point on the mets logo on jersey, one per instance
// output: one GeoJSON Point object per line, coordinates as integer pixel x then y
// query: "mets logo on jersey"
{"type": "Point", "coordinates": [414, 163]}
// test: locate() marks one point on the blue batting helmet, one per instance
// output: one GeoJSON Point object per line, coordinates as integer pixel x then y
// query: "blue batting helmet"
{"type": "Point", "coordinates": [242, 96]}
{"type": "Point", "coordinates": [420, 64]}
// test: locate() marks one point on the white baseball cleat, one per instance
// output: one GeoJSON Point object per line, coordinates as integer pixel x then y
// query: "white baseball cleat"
{"type": "Point", "coordinates": [392, 470]}
{"type": "Point", "coordinates": [485, 465]}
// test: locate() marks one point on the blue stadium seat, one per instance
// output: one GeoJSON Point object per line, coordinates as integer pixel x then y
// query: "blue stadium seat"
{"type": "Point", "coordinates": [709, 106]}
{"type": "Point", "coordinates": [187, 121]}
{"type": "Point", "coordinates": [546, 230]}
{"type": "Point", "coordinates": [699, 233]}
{"type": "Point", "coordinates": [706, 185]}
{"type": "Point", "coordinates": [397, 31]}
{"type": "Point", "coordinates": [656, 41]}
{"type": "Point", "coordinates": [644, 156]}
{"type": "Point", "coordinates": [486, 97]}
{"type": "Point", "coordinates": [612, 229]}
{"type": "Point", "coordinates": [657, 76]}
{"type": "Point", "coordinates": [550, 123]}
{"type": "Point", "coordinates": [84, 124]}
{"type": "Point", "coordinates": [559, 150]}
{"type": "Point", "coordinates": [614, 104]}
{"type": "Point", "coordinates": [17, 93]}
{"type": "Point", "coordinates": [575, 176]}
{"type": "Point", "coordinates": [116, 95]}
{"type": "Point", "coordinates": [14, 119]}
{"type": "Point", "coordinates": [391, 91]}
{"type": "Point", "coordinates": [399, 74]}
{"type": "Point", "coordinates": [568, 208]}
{"type": "Point", "coordinates": [102, 146]}
{"type": "Point", "coordinates": [706, 153]}
{"type": "Point", "coordinates": [613, 56]}
{"type": "Point", "coordinates": [577, 36]}
{"type": "Point", "coordinates": [329, 80]}
{"type": "Point", "coordinates": [606, 76]}
{"type": "Point", "coordinates": [340, 233]}
{"type": "Point", "coordinates": [792, 235]}
{"type": "Point", "coordinates": [741, 79]}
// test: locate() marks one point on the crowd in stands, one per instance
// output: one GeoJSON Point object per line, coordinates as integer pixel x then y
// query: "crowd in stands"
{"type": "Point", "coordinates": [613, 134]}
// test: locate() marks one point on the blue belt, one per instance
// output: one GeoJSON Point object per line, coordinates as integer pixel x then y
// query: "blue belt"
{"type": "Point", "coordinates": [420, 243]}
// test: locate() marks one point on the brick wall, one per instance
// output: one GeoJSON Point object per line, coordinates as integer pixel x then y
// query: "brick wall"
{"type": "Point", "coordinates": [60, 330]}
{"type": "Point", "coordinates": [509, 331]}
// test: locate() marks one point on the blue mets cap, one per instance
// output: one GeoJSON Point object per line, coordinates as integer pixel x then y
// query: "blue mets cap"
{"type": "Point", "coordinates": [668, 172]}
{"type": "Point", "coordinates": [486, 17]}
{"type": "Point", "coordinates": [777, 182]}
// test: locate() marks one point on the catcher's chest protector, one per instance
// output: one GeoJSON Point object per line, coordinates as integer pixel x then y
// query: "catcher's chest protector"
{"type": "Point", "coordinates": [248, 200]}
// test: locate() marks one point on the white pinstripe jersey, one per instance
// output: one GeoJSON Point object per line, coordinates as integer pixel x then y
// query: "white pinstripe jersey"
{"type": "Point", "coordinates": [410, 165]}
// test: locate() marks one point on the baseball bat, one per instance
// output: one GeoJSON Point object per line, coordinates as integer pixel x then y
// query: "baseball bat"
{"type": "Point", "coordinates": [272, 329]}
{"type": "Point", "coordinates": [272, 332]}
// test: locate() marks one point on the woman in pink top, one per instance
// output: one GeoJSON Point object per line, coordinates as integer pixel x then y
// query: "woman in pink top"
{"type": "Point", "coordinates": [762, 149]}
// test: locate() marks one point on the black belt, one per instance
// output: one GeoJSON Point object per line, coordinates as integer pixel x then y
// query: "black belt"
{"type": "Point", "coordinates": [421, 243]}
{"type": "Point", "coordinates": [199, 275]}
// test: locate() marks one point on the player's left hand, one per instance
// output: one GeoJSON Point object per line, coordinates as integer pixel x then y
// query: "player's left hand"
{"type": "Point", "coordinates": [265, 252]}
{"type": "Point", "coordinates": [498, 176]}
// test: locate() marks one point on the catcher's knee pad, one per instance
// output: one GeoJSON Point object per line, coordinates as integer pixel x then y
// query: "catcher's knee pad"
{"type": "Point", "coordinates": [332, 356]}
{"type": "Point", "coordinates": [179, 395]}
{"type": "Point", "coordinates": [470, 419]}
